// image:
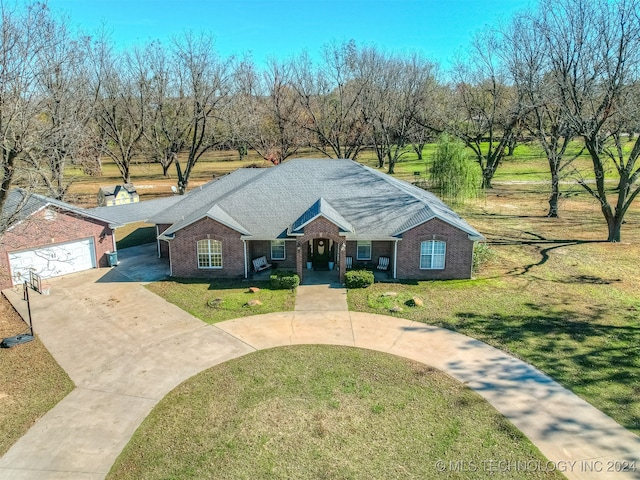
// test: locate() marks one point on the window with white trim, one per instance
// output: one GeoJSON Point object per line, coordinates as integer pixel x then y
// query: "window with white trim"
{"type": "Point", "coordinates": [209, 254]}
{"type": "Point", "coordinates": [278, 250]}
{"type": "Point", "coordinates": [363, 250]}
{"type": "Point", "coordinates": [432, 254]}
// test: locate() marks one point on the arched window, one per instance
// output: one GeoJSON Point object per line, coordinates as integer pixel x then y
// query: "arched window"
{"type": "Point", "coordinates": [432, 254]}
{"type": "Point", "coordinates": [209, 254]}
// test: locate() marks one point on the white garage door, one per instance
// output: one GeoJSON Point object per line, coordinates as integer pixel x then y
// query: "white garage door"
{"type": "Point", "coordinates": [52, 261]}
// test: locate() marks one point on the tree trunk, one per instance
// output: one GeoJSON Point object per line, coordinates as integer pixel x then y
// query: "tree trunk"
{"type": "Point", "coordinates": [392, 164]}
{"type": "Point", "coordinates": [555, 195]}
{"type": "Point", "coordinates": [487, 176]}
{"type": "Point", "coordinates": [7, 176]}
{"type": "Point", "coordinates": [614, 225]}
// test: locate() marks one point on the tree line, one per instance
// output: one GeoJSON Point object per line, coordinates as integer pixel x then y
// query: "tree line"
{"type": "Point", "coordinates": [565, 70]}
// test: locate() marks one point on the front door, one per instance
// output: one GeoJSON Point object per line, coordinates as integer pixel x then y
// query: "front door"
{"type": "Point", "coordinates": [321, 253]}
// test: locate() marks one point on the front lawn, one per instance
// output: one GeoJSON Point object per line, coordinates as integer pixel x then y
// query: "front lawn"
{"type": "Point", "coordinates": [32, 382]}
{"type": "Point", "coordinates": [311, 412]}
{"type": "Point", "coordinates": [216, 301]}
{"type": "Point", "coordinates": [553, 295]}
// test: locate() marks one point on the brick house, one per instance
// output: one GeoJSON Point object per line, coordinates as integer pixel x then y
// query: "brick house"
{"type": "Point", "coordinates": [50, 238]}
{"type": "Point", "coordinates": [321, 214]}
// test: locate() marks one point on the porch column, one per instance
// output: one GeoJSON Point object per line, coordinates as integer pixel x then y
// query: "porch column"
{"type": "Point", "coordinates": [342, 252]}
{"type": "Point", "coordinates": [299, 268]}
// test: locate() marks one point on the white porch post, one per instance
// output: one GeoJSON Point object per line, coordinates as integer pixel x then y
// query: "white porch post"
{"type": "Point", "coordinates": [244, 245]}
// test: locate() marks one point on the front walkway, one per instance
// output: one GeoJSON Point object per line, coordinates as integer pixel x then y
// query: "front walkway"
{"type": "Point", "coordinates": [126, 348]}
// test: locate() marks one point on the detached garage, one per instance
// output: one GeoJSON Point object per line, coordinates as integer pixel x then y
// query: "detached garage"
{"type": "Point", "coordinates": [50, 238]}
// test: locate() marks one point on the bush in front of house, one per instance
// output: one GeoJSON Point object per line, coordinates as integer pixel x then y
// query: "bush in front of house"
{"type": "Point", "coordinates": [358, 278]}
{"type": "Point", "coordinates": [283, 280]}
{"type": "Point", "coordinates": [482, 253]}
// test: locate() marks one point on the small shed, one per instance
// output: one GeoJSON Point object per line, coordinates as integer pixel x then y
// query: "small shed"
{"type": "Point", "coordinates": [117, 195]}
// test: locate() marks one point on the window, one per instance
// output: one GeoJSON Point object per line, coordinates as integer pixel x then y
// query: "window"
{"type": "Point", "coordinates": [432, 253]}
{"type": "Point", "coordinates": [277, 250]}
{"type": "Point", "coordinates": [209, 254]}
{"type": "Point", "coordinates": [363, 251]}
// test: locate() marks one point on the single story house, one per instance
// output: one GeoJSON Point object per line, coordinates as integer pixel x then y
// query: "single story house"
{"type": "Point", "coordinates": [50, 238]}
{"type": "Point", "coordinates": [325, 212]}
{"type": "Point", "coordinates": [117, 195]}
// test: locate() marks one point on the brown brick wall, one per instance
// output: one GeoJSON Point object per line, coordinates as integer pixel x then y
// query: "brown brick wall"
{"type": "Point", "coordinates": [183, 251]}
{"type": "Point", "coordinates": [37, 231]}
{"type": "Point", "coordinates": [378, 249]}
{"type": "Point", "coordinates": [458, 257]}
{"type": "Point", "coordinates": [320, 228]}
{"type": "Point", "coordinates": [164, 245]}
{"type": "Point", "coordinates": [258, 248]}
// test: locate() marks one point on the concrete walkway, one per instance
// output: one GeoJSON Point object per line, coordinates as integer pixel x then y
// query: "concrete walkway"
{"type": "Point", "coordinates": [125, 349]}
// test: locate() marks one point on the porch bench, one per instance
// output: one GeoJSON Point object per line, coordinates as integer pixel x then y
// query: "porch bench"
{"type": "Point", "coordinates": [260, 264]}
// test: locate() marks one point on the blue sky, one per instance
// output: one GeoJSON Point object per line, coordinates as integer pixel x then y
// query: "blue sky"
{"type": "Point", "coordinates": [282, 28]}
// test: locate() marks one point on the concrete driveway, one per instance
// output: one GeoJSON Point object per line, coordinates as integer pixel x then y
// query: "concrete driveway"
{"type": "Point", "coordinates": [126, 348]}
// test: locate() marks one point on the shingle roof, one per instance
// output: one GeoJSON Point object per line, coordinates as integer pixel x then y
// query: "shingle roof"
{"type": "Point", "coordinates": [321, 208]}
{"type": "Point", "coordinates": [134, 212]}
{"type": "Point", "coordinates": [21, 204]}
{"type": "Point", "coordinates": [269, 203]}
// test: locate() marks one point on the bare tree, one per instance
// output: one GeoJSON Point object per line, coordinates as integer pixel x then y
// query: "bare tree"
{"type": "Point", "coordinates": [122, 96]}
{"type": "Point", "coordinates": [21, 41]}
{"type": "Point", "coordinates": [269, 111]}
{"type": "Point", "coordinates": [594, 54]}
{"type": "Point", "coordinates": [168, 118]}
{"type": "Point", "coordinates": [486, 110]}
{"type": "Point", "coordinates": [331, 99]}
{"type": "Point", "coordinates": [67, 106]}
{"type": "Point", "coordinates": [205, 80]}
{"type": "Point", "coordinates": [524, 51]}
{"type": "Point", "coordinates": [395, 97]}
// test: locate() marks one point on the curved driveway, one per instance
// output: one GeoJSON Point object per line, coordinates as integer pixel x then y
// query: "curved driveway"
{"type": "Point", "coordinates": [126, 348]}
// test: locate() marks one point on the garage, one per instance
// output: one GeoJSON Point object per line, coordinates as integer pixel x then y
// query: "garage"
{"type": "Point", "coordinates": [53, 260]}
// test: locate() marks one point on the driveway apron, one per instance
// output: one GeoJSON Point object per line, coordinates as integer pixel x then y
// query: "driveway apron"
{"type": "Point", "coordinates": [126, 348]}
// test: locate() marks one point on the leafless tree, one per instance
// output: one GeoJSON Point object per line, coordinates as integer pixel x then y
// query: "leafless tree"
{"type": "Point", "coordinates": [268, 111]}
{"type": "Point", "coordinates": [331, 98]}
{"type": "Point", "coordinates": [524, 51]}
{"type": "Point", "coordinates": [21, 41]}
{"type": "Point", "coordinates": [486, 109]}
{"type": "Point", "coordinates": [61, 128]}
{"type": "Point", "coordinates": [399, 88]}
{"type": "Point", "coordinates": [121, 101]}
{"type": "Point", "coordinates": [594, 55]}
{"type": "Point", "coordinates": [205, 80]}
{"type": "Point", "coordinates": [168, 117]}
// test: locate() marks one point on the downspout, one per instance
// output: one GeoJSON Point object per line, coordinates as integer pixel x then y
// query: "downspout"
{"type": "Point", "coordinates": [244, 247]}
{"type": "Point", "coordinates": [158, 240]}
{"type": "Point", "coordinates": [113, 239]}
{"type": "Point", "coordinates": [395, 259]}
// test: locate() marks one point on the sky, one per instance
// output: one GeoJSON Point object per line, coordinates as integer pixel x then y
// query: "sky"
{"type": "Point", "coordinates": [279, 29]}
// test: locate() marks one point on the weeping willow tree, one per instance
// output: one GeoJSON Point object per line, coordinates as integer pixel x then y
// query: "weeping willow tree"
{"type": "Point", "coordinates": [453, 175]}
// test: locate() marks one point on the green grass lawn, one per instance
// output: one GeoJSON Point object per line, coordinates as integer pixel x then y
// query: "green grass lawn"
{"type": "Point", "coordinates": [553, 295]}
{"type": "Point", "coordinates": [313, 412]}
{"type": "Point", "coordinates": [217, 301]}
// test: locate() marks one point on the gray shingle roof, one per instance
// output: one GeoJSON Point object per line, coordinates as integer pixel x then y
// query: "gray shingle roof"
{"type": "Point", "coordinates": [269, 203]}
{"type": "Point", "coordinates": [21, 204]}
{"type": "Point", "coordinates": [134, 212]}
{"type": "Point", "coordinates": [321, 208]}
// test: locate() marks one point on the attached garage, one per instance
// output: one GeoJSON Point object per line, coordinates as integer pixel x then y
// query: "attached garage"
{"type": "Point", "coordinates": [53, 260]}
{"type": "Point", "coordinates": [50, 238]}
